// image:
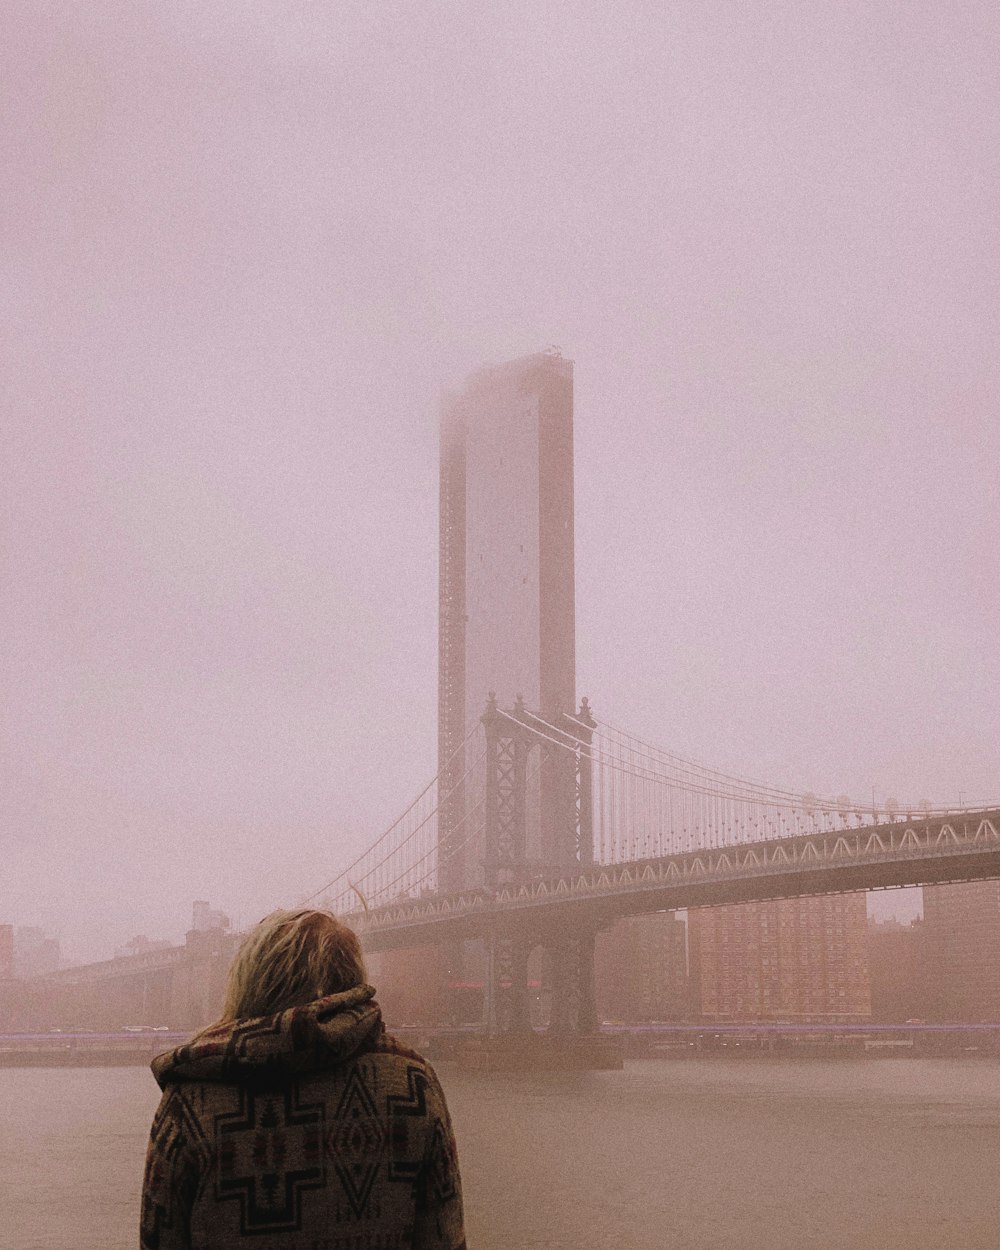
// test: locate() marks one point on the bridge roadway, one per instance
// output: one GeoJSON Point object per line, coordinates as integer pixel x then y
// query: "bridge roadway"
{"type": "Point", "coordinates": [164, 959]}
{"type": "Point", "coordinates": [956, 847]}
{"type": "Point", "coordinates": [961, 847]}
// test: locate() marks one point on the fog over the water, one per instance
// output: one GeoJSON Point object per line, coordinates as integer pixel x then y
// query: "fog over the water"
{"type": "Point", "coordinates": [244, 246]}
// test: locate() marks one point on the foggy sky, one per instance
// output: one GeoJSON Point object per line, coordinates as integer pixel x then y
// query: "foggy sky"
{"type": "Point", "coordinates": [243, 249]}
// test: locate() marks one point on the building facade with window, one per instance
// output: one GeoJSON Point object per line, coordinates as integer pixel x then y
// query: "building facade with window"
{"type": "Point", "coordinates": [798, 959]}
{"type": "Point", "coordinates": [960, 952]}
{"type": "Point", "coordinates": [640, 969]}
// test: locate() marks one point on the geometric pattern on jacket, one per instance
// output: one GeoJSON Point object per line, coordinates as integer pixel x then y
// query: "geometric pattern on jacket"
{"type": "Point", "coordinates": [308, 1130]}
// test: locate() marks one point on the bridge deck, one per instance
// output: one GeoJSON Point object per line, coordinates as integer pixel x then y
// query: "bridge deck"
{"type": "Point", "coordinates": [901, 853]}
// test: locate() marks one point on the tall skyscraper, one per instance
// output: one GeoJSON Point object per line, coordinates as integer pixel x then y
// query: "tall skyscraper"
{"type": "Point", "coordinates": [507, 619]}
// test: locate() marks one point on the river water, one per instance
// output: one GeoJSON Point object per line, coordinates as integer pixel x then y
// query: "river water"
{"type": "Point", "coordinates": [700, 1154]}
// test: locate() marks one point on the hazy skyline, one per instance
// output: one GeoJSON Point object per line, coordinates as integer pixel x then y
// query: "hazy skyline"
{"type": "Point", "coordinates": [244, 250]}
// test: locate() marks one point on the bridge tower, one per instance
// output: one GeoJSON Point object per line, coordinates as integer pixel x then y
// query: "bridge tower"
{"type": "Point", "coordinates": [507, 632]}
{"type": "Point", "coordinates": [512, 739]}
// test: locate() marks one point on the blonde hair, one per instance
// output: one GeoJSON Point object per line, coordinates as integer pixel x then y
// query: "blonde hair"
{"type": "Point", "coordinates": [291, 958]}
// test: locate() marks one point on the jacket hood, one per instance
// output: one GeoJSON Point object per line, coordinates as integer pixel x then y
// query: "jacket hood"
{"type": "Point", "coordinates": [269, 1049]}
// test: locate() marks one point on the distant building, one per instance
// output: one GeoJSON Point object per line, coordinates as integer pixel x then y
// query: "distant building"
{"type": "Point", "coordinates": [961, 952]}
{"type": "Point", "coordinates": [141, 945]}
{"type": "Point", "coordinates": [640, 969]}
{"type": "Point", "coordinates": [204, 919]}
{"type": "Point", "coordinates": [798, 959]}
{"type": "Point", "coordinates": [506, 592]}
{"type": "Point", "coordinates": [412, 985]}
{"type": "Point", "coordinates": [35, 955]}
{"type": "Point", "coordinates": [896, 972]}
{"type": "Point", "coordinates": [6, 952]}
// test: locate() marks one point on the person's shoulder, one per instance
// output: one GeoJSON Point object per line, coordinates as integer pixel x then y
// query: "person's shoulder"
{"type": "Point", "coordinates": [180, 1124]}
{"type": "Point", "coordinates": [389, 1047]}
{"type": "Point", "coordinates": [392, 1055]}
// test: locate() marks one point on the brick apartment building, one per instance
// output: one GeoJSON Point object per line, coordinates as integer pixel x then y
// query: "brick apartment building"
{"type": "Point", "coordinates": [640, 969]}
{"type": "Point", "coordinates": [960, 955]}
{"type": "Point", "coordinates": [895, 966]}
{"type": "Point", "coordinates": [800, 959]}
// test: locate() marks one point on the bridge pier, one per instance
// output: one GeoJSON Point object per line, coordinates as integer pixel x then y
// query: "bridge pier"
{"type": "Point", "coordinates": [574, 1006]}
{"type": "Point", "coordinates": [505, 987]}
{"type": "Point", "coordinates": [566, 816]}
{"type": "Point", "coordinates": [572, 1040]}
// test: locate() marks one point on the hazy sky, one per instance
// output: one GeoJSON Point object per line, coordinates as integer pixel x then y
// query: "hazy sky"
{"type": "Point", "coordinates": [245, 245]}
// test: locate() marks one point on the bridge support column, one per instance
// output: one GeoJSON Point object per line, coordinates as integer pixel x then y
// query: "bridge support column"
{"type": "Point", "coordinates": [505, 989]}
{"type": "Point", "coordinates": [520, 1021]}
{"type": "Point", "coordinates": [507, 745]}
{"type": "Point", "coordinates": [574, 1008]}
{"type": "Point", "coordinates": [583, 729]}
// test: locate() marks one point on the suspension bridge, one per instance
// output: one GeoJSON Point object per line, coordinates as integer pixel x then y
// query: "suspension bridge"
{"type": "Point", "coordinates": [554, 828]}
{"type": "Point", "coordinates": [540, 832]}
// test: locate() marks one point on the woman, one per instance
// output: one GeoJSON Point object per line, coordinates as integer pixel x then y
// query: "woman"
{"type": "Point", "coordinates": [296, 1121]}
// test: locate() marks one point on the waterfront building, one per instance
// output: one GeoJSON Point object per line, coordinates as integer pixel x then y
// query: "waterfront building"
{"type": "Point", "coordinates": [798, 959]}
{"type": "Point", "coordinates": [506, 588]}
{"type": "Point", "coordinates": [141, 945]}
{"type": "Point", "coordinates": [413, 985]}
{"type": "Point", "coordinates": [896, 970]}
{"type": "Point", "coordinates": [35, 955]}
{"type": "Point", "coordinates": [6, 952]}
{"type": "Point", "coordinates": [640, 969]}
{"type": "Point", "coordinates": [205, 918]}
{"type": "Point", "coordinates": [961, 952]}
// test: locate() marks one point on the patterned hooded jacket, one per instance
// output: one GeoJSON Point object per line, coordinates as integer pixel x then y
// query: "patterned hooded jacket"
{"type": "Point", "coordinates": [309, 1130]}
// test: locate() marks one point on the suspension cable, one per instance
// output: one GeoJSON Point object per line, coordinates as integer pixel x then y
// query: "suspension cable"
{"type": "Point", "coordinates": [695, 769]}
{"type": "Point", "coordinates": [453, 851]}
{"type": "Point", "coordinates": [416, 829]}
{"type": "Point", "coordinates": [615, 762]}
{"type": "Point", "coordinates": [382, 837]}
{"type": "Point", "coordinates": [833, 805]}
